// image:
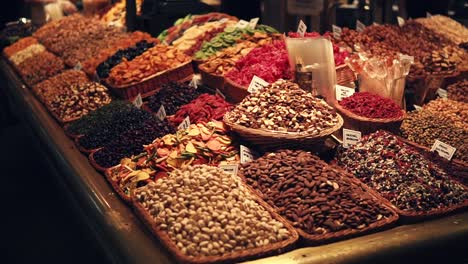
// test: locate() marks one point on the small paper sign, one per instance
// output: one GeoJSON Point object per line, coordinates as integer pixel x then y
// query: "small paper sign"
{"type": "Point", "coordinates": [301, 28]}
{"type": "Point", "coordinates": [375, 24]}
{"type": "Point", "coordinates": [343, 92]}
{"type": "Point", "coordinates": [442, 93]}
{"type": "Point", "coordinates": [256, 84]}
{"type": "Point", "coordinates": [230, 168]}
{"type": "Point", "coordinates": [78, 67]}
{"type": "Point", "coordinates": [350, 137]}
{"type": "Point", "coordinates": [246, 155]}
{"type": "Point", "coordinates": [401, 21]}
{"type": "Point", "coordinates": [253, 22]}
{"type": "Point", "coordinates": [417, 107]}
{"type": "Point", "coordinates": [336, 32]}
{"type": "Point", "coordinates": [444, 150]}
{"type": "Point", "coordinates": [185, 124]}
{"type": "Point", "coordinates": [428, 14]}
{"type": "Point", "coordinates": [138, 102]}
{"type": "Point", "coordinates": [218, 92]}
{"type": "Point", "coordinates": [242, 24]}
{"type": "Point", "coordinates": [161, 114]}
{"type": "Point", "coordinates": [196, 80]}
{"type": "Point", "coordinates": [360, 26]}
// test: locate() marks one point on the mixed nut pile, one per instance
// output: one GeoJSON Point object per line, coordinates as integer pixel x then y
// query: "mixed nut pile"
{"type": "Point", "coordinates": [60, 83]}
{"type": "Point", "coordinates": [447, 27]}
{"type": "Point", "coordinates": [312, 195]}
{"type": "Point", "coordinates": [40, 67]}
{"type": "Point", "coordinates": [458, 91]}
{"type": "Point", "coordinates": [208, 212]}
{"type": "Point", "coordinates": [401, 174]}
{"type": "Point", "coordinates": [283, 106]}
{"type": "Point", "coordinates": [455, 111]}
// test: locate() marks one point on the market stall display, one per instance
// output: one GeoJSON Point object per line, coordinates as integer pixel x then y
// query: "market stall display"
{"type": "Point", "coordinates": [447, 27]}
{"type": "Point", "coordinates": [40, 67]}
{"type": "Point", "coordinates": [59, 84]}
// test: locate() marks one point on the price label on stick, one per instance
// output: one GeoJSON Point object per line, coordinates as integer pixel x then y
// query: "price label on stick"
{"type": "Point", "coordinates": [401, 21]}
{"type": "Point", "coordinates": [246, 155]}
{"type": "Point", "coordinates": [428, 14]}
{"type": "Point", "coordinates": [242, 24]}
{"type": "Point", "coordinates": [185, 124]}
{"type": "Point", "coordinates": [196, 80]}
{"type": "Point", "coordinates": [138, 102]}
{"type": "Point", "coordinates": [444, 150]}
{"type": "Point", "coordinates": [253, 22]}
{"type": "Point", "coordinates": [301, 28]}
{"type": "Point", "coordinates": [336, 32]}
{"type": "Point", "coordinates": [256, 84]}
{"type": "Point", "coordinates": [343, 92]}
{"type": "Point", "coordinates": [230, 168]}
{"type": "Point", "coordinates": [360, 26]}
{"type": "Point", "coordinates": [78, 67]}
{"type": "Point", "coordinates": [442, 93]}
{"type": "Point", "coordinates": [350, 137]}
{"type": "Point", "coordinates": [161, 114]}
{"type": "Point", "coordinates": [218, 92]}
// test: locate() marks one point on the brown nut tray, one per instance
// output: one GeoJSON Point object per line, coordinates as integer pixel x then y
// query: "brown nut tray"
{"type": "Point", "coordinates": [152, 84]}
{"type": "Point", "coordinates": [114, 184]}
{"type": "Point", "coordinates": [263, 251]}
{"type": "Point", "coordinates": [212, 80]}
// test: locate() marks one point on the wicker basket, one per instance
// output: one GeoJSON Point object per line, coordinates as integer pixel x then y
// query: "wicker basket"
{"type": "Point", "coordinates": [267, 139]}
{"type": "Point", "coordinates": [212, 80]}
{"type": "Point", "coordinates": [230, 257]}
{"type": "Point", "coordinates": [368, 125]}
{"type": "Point", "coordinates": [234, 93]}
{"type": "Point", "coordinates": [81, 148]}
{"type": "Point", "coordinates": [152, 84]}
{"type": "Point", "coordinates": [344, 75]}
{"type": "Point", "coordinates": [68, 133]}
{"type": "Point", "coordinates": [385, 223]}
{"type": "Point", "coordinates": [115, 186]}
{"type": "Point", "coordinates": [93, 162]}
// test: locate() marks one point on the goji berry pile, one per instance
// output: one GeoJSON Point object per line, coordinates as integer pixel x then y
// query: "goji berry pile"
{"type": "Point", "coordinates": [371, 105]}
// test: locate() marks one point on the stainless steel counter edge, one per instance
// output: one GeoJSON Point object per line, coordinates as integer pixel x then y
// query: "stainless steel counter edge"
{"type": "Point", "coordinates": [124, 237]}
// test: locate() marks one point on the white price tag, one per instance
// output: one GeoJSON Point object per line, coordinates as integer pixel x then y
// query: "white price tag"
{"type": "Point", "coordinates": [256, 84]}
{"type": "Point", "coordinates": [185, 124]}
{"type": "Point", "coordinates": [442, 93]}
{"type": "Point", "coordinates": [246, 155]}
{"type": "Point", "coordinates": [138, 101]}
{"type": "Point", "coordinates": [242, 24]}
{"type": "Point", "coordinates": [218, 92]}
{"type": "Point", "coordinates": [428, 14]}
{"type": "Point", "coordinates": [444, 150]}
{"type": "Point", "coordinates": [342, 92]}
{"type": "Point", "coordinates": [417, 107]}
{"type": "Point", "coordinates": [350, 137]}
{"type": "Point", "coordinates": [230, 168]}
{"type": "Point", "coordinates": [301, 28]}
{"type": "Point", "coordinates": [253, 22]}
{"type": "Point", "coordinates": [401, 21]}
{"type": "Point", "coordinates": [78, 67]}
{"type": "Point", "coordinates": [360, 26]}
{"type": "Point", "coordinates": [336, 32]}
{"type": "Point", "coordinates": [161, 114]}
{"type": "Point", "coordinates": [196, 80]}
{"type": "Point", "coordinates": [375, 24]}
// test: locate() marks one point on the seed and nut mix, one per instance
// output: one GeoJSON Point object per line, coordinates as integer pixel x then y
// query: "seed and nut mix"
{"type": "Point", "coordinates": [401, 174]}
{"type": "Point", "coordinates": [60, 83]}
{"type": "Point", "coordinates": [424, 127]}
{"type": "Point", "coordinates": [455, 111]}
{"type": "Point", "coordinates": [19, 46]}
{"type": "Point", "coordinates": [152, 61]}
{"type": "Point", "coordinates": [26, 53]}
{"type": "Point", "coordinates": [40, 67]}
{"type": "Point", "coordinates": [284, 106]}
{"type": "Point", "coordinates": [208, 212]}
{"type": "Point", "coordinates": [78, 100]}
{"type": "Point", "coordinates": [447, 27]}
{"type": "Point", "coordinates": [315, 197]}
{"type": "Point", "coordinates": [458, 91]}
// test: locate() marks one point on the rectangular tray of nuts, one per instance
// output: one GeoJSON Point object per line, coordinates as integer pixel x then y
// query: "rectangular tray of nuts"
{"type": "Point", "coordinates": [204, 215]}
{"type": "Point", "coordinates": [321, 201]}
{"type": "Point", "coordinates": [417, 187]}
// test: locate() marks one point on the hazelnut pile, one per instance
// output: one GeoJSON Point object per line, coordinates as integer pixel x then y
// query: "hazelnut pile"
{"type": "Point", "coordinates": [283, 106]}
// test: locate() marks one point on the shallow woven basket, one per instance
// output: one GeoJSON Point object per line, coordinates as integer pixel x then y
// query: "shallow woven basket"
{"type": "Point", "coordinates": [115, 186]}
{"type": "Point", "coordinates": [269, 139]}
{"type": "Point", "coordinates": [230, 257]}
{"type": "Point", "coordinates": [153, 83]}
{"type": "Point", "coordinates": [212, 80]}
{"type": "Point", "coordinates": [368, 125]}
{"type": "Point", "coordinates": [81, 148]}
{"type": "Point", "coordinates": [93, 162]}
{"type": "Point", "coordinates": [68, 133]}
{"type": "Point", "coordinates": [234, 92]}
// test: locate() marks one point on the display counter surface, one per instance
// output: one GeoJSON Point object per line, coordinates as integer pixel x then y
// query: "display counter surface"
{"type": "Point", "coordinates": [126, 240]}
